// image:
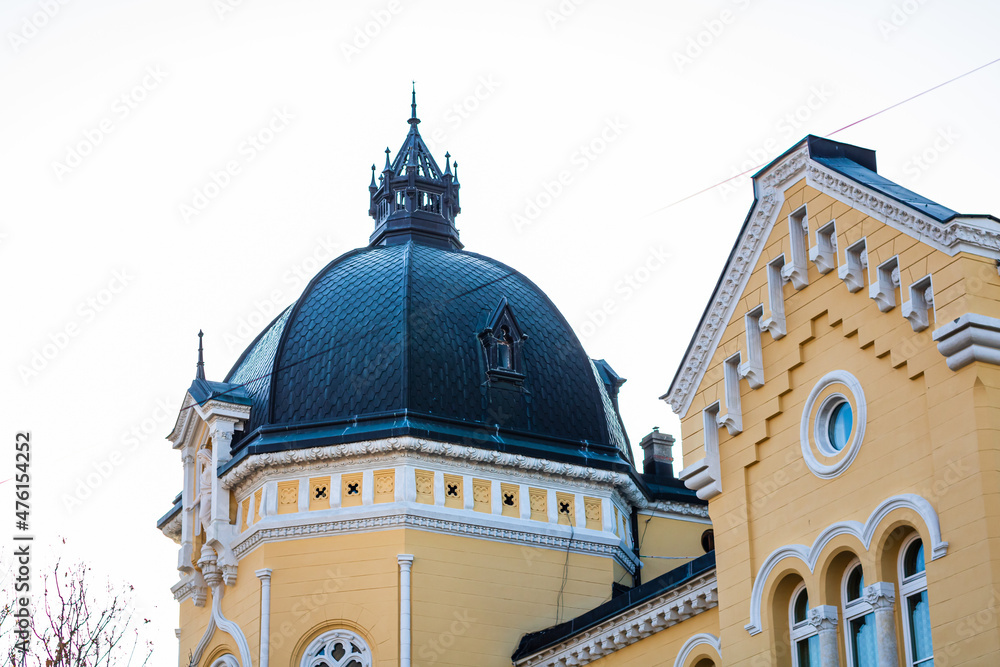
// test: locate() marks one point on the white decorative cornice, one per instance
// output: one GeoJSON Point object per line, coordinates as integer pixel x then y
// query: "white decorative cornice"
{"type": "Point", "coordinates": [683, 509]}
{"type": "Point", "coordinates": [422, 517]}
{"type": "Point", "coordinates": [254, 468]}
{"type": "Point", "coordinates": [639, 622]}
{"type": "Point", "coordinates": [769, 199]}
{"type": "Point", "coordinates": [864, 533]}
{"type": "Point", "coordinates": [972, 234]}
{"type": "Point", "coordinates": [971, 337]}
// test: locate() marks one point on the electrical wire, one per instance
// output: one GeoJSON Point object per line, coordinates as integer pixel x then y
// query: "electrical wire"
{"type": "Point", "coordinates": [860, 120]}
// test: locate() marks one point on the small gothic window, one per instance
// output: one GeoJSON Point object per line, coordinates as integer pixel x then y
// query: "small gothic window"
{"type": "Point", "coordinates": [502, 341]}
{"type": "Point", "coordinates": [352, 488]}
{"type": "Point", "coordinates": [508, 499]}
{"type": "Point", "coordinates": [708, 540]}
{"type": "Point", "coordinates": [453, 490]}
{"type": "Point", "coordinates": [338, 648]}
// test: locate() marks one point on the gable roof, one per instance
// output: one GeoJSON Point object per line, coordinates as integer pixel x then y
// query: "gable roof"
{"type": "Point", "coordinates": [848, 174]}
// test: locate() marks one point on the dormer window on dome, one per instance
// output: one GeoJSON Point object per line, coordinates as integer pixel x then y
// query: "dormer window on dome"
{"type": "Point", "coordinates": [413, 199]}
{"type": "Point", "coordinates": [502, 341]}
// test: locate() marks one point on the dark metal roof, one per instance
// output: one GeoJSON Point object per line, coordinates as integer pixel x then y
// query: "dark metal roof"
{"type": "Point", "coordinates": [384, 341]}
{"type": "Point", "coordinates": [537, 641]}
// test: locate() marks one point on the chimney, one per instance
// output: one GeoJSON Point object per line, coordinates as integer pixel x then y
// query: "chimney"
{"type": "Point", "coordinates": [657, 458]}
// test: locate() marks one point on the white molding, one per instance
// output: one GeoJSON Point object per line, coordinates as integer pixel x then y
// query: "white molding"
{"type": "Point", "coordinates": [389, 452]}
{"type": "Point", "coordinates": [389, 516]}
{"type": "Point", "coordinates": [971, 337]}
{"type": "Point", "coordinates": [919, 309]}
{"type": "Point", "coordinates": [230, 627]}
{"type": "Point", "coordinates": [863, 532]}
{"type": "Point", "coordinates": [693, 642]}
{"type": "Point", "coordinates": [807, 434]}
{"type": "Point", "coordinates": [977, 236]}
{"type": "Point", "coordinates": [632, 625]}
{"type": "Point", "coordinates": [704, 476]}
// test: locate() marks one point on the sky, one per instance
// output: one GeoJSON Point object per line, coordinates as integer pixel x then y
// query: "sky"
{"type": "Point", "coordinates": [174, 166]}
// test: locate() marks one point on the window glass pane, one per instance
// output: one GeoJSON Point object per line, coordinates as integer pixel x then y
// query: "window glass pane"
{"type": "Point", "coordinates": [807, 652]}
{"type": "Point", "coordinates": [914, 561]}
{"type": "Point", "coordinates": [920, 628]}
{"type": "Point", "coordinates": [801, 607]}
{"type": "Point", "coordinates": [863, 641]}
{"type": "Point", "coordinates": [855, 583]}
{"type": "Point", "coordinates": [841, 420]}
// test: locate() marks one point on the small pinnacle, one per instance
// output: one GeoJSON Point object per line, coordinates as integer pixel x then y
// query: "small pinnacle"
{"type": "Point", "coordinates": [200, 375]}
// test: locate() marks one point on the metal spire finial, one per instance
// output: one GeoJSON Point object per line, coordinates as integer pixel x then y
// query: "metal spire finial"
{"type": "Point", "coordinates": [447, 163]}
{"type": "Point", "coordinates": [387, 165]}
{"type": "Point", "coordinates": [373, 177]}
{"type": "Point", "coordinates": [200, 375]}
{"type": "Point", "coordinates": [413, 106]}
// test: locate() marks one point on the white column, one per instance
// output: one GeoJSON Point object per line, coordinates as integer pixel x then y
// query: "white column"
{"type": "Point", "coordinates": [882, 597]}
{"type": "Point", "coordinates": [265, 615]}
{"type": "Point", "coordinates": [496, 497]}
{"type": "Point", "coordinates": [188, 518]}
{"type": "Point", "coordinates": [468, 498]}
{"type": "Point", "coordinates": [824, 619]}
{"type": "Point", "coordinates": [525, 503]}
{"type": "Point", "coordinates": [438, 487]}
{"type": "Point", "coordinates": [405, 563]}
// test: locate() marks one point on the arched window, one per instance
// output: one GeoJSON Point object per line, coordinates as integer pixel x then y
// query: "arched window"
{"type": "Point", "coordinates": [916, 613]}
{"type": "Point", "coordinates": [859, 619]}
{"type": "Point", "coordinates": [805, 641]}
{"type": "Point", "coordinates": [338, 648]}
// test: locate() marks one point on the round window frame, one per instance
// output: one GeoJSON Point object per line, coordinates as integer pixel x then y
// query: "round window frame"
{"type": "Point", "coordinates": [813, 440]}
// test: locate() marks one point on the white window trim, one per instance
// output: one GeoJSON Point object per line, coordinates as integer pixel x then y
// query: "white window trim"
{"type": "Point", "coordinates": [310, 659]}
{"type": "Point", "coordinates": [910, 586]}
{"type": "Point", "coordinates": [800, 630]}
{"type": "Point", "coordinates": [852, 610]}
{"type": "Point", "coordinates": [855, 395]}
{"type": "Point", "coordinates": [227, 660]}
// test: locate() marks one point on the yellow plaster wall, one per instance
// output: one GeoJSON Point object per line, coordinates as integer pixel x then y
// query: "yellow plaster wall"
{"type": "Point", "coordinates": [472, 599]}
{"type": "Point", "coordinates": [679, 541]}
{"type": "Point", "coordinates": [930, 430]}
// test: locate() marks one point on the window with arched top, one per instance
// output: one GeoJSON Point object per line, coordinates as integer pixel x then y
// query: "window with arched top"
{"type": "Point", "coordinates": [859, 619]}
{"type": "Point", "coordinates": [805, 640]}
{"type": "Point", "coordinates": [916, 610]}
{"type": "Point", "coordinates": [337, 648]}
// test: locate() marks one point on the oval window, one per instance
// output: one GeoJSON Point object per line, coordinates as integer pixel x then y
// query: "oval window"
{"type": "Point", "coordinates": [840, 425]}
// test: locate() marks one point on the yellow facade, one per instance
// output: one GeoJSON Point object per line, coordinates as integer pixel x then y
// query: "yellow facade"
{"type": "Point", "coordinates": [839, 302]}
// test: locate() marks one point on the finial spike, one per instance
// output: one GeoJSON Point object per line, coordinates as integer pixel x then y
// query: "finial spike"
{"type": "Point", "coordinates": [447, 162]}
{"type": "Point", "coordinates": [413, 107]}
{"type": "Point", "coordinates": [387, 166]}
{"type": "Point", "coordinates": [200, 375]}
{"type": "Point", "coordinates": [373, 186]}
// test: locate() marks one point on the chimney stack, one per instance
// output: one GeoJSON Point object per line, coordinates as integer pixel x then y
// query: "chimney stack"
{"type": "Point", "coordinates": [657, 458]}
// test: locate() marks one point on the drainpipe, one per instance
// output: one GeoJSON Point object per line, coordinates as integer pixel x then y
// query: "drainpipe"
{"type": "Point", "coordinates": [405, 563]}
{"type": "Point", "coordinates": [265, 615]}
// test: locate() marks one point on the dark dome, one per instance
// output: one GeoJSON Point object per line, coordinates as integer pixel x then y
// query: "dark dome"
{"type": "Point", "coordinates": [385, 341]}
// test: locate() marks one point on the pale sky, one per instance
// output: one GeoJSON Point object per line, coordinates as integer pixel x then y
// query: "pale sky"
{"type": "Point", "coordinates": [574, 124]}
